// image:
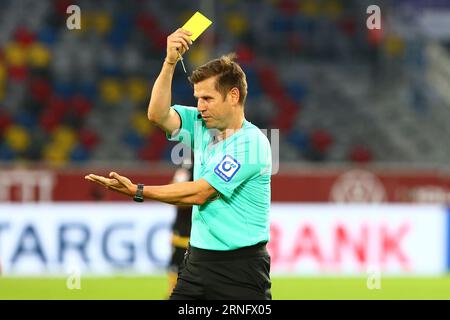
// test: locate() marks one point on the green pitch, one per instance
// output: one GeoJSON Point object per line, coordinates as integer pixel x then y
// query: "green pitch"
{"type": "Point", "coordinates": [154, 288]}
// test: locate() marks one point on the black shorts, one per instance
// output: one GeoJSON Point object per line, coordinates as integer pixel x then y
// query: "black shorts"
{"type": "Point", "coordinates": [238, 274]}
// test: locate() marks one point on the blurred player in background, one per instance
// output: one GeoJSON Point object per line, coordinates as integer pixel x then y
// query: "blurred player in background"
{"type": "Point", "coordinates": [181, 228]}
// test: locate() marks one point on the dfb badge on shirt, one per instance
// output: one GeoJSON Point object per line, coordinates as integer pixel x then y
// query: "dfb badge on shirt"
{"type": "Point", "coordinates": [227, 168]}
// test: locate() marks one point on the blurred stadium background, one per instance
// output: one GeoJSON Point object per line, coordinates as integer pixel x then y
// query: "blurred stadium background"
{"type": "Point", "coordinates": [360, 201]}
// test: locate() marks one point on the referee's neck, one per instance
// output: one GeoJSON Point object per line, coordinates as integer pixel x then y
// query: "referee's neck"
{"type": "Point", "coordinates": [224, 134]}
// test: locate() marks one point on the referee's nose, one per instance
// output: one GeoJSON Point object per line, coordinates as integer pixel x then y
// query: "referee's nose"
{"type": "Point", "coordinates": [201, 107]}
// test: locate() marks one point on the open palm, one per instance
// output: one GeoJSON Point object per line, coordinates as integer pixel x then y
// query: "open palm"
{"type": "Point", "coordinates": [116, 182]}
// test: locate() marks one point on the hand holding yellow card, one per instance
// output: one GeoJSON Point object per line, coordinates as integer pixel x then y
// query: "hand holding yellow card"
{"type": "Point", "coordinates": [197, 24]}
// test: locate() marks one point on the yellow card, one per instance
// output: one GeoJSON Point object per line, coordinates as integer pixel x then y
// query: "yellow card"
{"type": "Point", "coordinates": [197, 24]}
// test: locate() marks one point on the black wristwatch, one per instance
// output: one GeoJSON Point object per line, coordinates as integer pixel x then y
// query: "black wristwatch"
{"type": "Point", "coordinates": [139, 196]}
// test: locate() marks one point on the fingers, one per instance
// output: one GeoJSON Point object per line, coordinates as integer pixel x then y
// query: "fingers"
{"type": "Point", "coordinates": [180, 44]}
{"type": "Point", "coordinates": [116, 176]}
{"type": "Point", "coordinates": [183, 43]}
{"type": "Point", "coordinates": [180, 37]}
{"type": "Point", "coordinates": [184, 31]}
{"type": "Point", "coordinates": [177, 44]}
{"type": "Point", "coordinates": [94, 178]}
{"type": "Point", "coordinates": [183, 35]}
{"type": "Point", "coordinates": [101, 180]}
{"type": "Point", "coordinates": [180, 33]}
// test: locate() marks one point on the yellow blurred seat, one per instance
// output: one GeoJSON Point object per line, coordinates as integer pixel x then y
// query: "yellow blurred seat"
{"type": "Point", "coordinates": [333, 8]}
{"type": "Point", "coordinates": [64, 137]}
{"type": "Point", "coordinates": [2, 91]}
{"type": "Point", "coordinates": [55, 154]}
{"type": "Point", "coordinates": [198, 55]}
{"type": "Point", "coordinates": [17, 138]}
{"type": "Point", "coordinates": [137, 90]}
{"type": "Point", "coordinates": [15, 54]}
{"type": "Point", "coordinates": [39, 55]}
{"type": "Point", "coordinates": [394, 46]}
{"type": "Point", "coordinates": [310, 8]}
{"type": "Point", "coordinates": [236, 23]}
{"type": "Point", "coordinates": [111, 90]}
{"type": "Point", "coordinates": [3, 73]}
{"type": "Point", "coordinates": [141, 124]}
{"type": "Point", "coordinates": [101, 22]}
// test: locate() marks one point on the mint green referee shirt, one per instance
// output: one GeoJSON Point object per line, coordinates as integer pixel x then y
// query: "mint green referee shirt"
{"type": "Point", "coordinates": [239, 168]}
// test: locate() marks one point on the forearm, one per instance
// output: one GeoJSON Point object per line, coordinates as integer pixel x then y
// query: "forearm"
{"type": "Point", "coordinates": [159, 106]}
{"type": "Point", "coordinates": [182, 193]}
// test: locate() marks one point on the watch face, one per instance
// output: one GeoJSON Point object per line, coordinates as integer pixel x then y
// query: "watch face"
{"type": "Point", "coordinates": [138, 199]}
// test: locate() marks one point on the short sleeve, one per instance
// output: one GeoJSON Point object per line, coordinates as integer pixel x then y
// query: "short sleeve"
{"type": "Point", "coordinates": [231, 167]}
{"type": "Point", "coordinates": [188, 117]}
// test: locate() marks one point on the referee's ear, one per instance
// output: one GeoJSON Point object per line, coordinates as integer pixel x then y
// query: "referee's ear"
{"type": "Point", "coordinates": [234, 95]}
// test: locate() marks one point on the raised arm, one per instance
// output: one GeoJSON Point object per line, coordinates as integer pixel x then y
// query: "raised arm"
{"type": "Point", "coordinates": [159, 111]}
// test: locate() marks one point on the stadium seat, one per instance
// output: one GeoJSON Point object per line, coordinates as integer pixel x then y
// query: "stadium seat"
{"type": "Point", "coordinates": [38, 55]}
{"type": "Point", "coordinates": [88, 89]}
{"type": "Point", "coordinates": [17, 138]}
{"type": "Point", "coordinates": [80, 106]}
{"type": "Point", "coordinates": [333, 9]}
{"type": "Point", "coordinates": [15, 54]}
{"type": "Point", "coordinates": [58, 106]}
{"type": "Point", "coordinates": [6, 153]}
{"type": "Point", "coordinates": [63, 89]}
{"type": "Point", "coordinates": [236, 23]}
{"type": "Point", "coordinates": [5, 121]}
{"type": "Point", "coordinates": [310, 8]}
{"type": "Point", "coordinates": [18, 73]}
{"type": "Point", "coordinates": [47, 36]}
{"type": "Point", "coordinates": [138, 90]}
{"type": "Point", "coordinates": [197, 56]}
{"type": "Point", "coordinates": [88, 138]}
{"type": "Point", "coordinates": [49, 121]}
{"type": "Point", "coordinates": [111, 90]}
{"type": "Point", "coordinates": [299, 139]}
{"type": "Point", "coordinates": [361, 154]}
{"type": "Point", "coordinates": [133, 139]}
{"type": "Point", "coordinates": [24, 37]}
{"type": "Point", "coordinates": [3, 73]}
{"type": "Point", "coordinates": [55, 155]}
{"type": "Point", "coordinates": [64, 138]}
{"type": "Point", "coordinates": [79, 154]}
{"type": "Point", "coordinates": [245, 55]}
{"type": "Point", "coordinates": [41, 90]}
{"type": "Point", "coordinates": [26, 120]}
{"type": "Point", "coordinates": [321, 140]}
{"type": "Point", "coordinates": [141, 124]}
{"type": "Point", "coordinates": [102, 22]}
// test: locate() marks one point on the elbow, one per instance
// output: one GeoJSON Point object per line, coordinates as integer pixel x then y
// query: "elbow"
{"type": "Point", "coordinates": [202, 197]}
{"type": "Point", "coordinates": [157, 117]}
{"type": "Point", "coordinates": [200, 200]}
{"type": "Point", "coordinates": [153, 117]}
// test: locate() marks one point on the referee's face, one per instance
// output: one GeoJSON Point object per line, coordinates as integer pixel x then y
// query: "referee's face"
{"type": "Point", "coordinates": [215, 110]}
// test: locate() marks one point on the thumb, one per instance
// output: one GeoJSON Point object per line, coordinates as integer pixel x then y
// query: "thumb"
{"type": "Point", "coordinates": [115, 176]}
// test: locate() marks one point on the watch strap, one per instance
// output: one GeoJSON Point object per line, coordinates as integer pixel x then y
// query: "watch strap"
{"type": "Point", "coordinates": [139, 196]}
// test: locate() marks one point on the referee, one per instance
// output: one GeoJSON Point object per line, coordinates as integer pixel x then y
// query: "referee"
{"type": "Point", "coordinates": [230, 194]}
